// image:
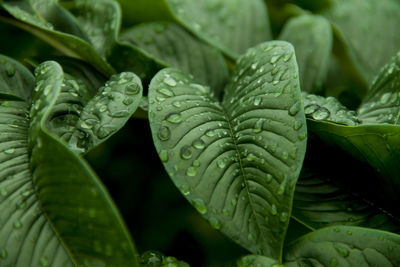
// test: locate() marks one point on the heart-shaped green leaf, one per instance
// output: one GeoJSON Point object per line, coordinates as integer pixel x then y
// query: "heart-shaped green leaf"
{"type": "Point", "coordinates": [55, 211]}
{"type": "Point", "coordinates": [311, 37]}
{"type": "Point", "coordinates": [87, 35]}
{"type": "Point", "coordinates": [236, 161]}
{"type": "Point", "coordinates": [230, 25]}
{"type": "Point", "coordinates": [319, 202]}
{"type": "Point", "coordinates": [172, 46]}
{"type": "Point", "coordinates": [344, 246]}
{"type": "Point", "coordinates": [360, 22]}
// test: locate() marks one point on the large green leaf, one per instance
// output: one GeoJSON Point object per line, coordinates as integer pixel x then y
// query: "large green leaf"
{"type": "Point", "coordinates": [311, 37]}
{"type": "Point", "coordinates": [172, 46]}
{"type": "Point", "coordinates": [345, 246]}
{"type": "Point", "coordinates": [54, 210]}
{"type": "Point", "coordinates": [359, 25]}
{"type": "Point", "coordinates": [232, 26]}
{"type": "Point", "coordinates": [236, 161]}
{"type": "Point", "coordinates": [88, 35]}
{"type": "Point", "coordinates": [14, 77]}
{"type": "Point", "coordinates": [320, 201]}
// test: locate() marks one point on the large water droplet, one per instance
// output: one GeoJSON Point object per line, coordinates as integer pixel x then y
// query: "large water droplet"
{"type": "Point", "coordinates": [164, 133]}
{"type": "Point", "coordinates": [321, 114]}
{"type": "Point", "coordinates": [119, 114]}
{"type": "Point", "coordinates": [199, 144]}
{"type": "Point", "coordinates": [174, 117]}
{"type": "Point", "coordinates": [152, 258]}
{"type": "Point", "coordinates": [210, 133]}
{"type": "Point", "coordinates": [163, 155]}
{"type": "Point", "coordinates": [9, 151]}
{"type": "Point", "coordinates": [132, 89]}
{"type": "Point", "coordinates": [221, 163]}
{"type": "Point", "coordinates": [293, 110]}
{"type": "Point", "coordinates": [104, 131]}
{"type": "Point", "coordinates": [191, 171]}
{"type": "Point", "coordinates": [44, 262]}
{"type": "Point", "coordinates": [309, 109]}
{"type": "Point", "coordinates": [251, 157]}
{"type": "Point", "coordinates": [258, 126]}
{"type": "Point", "coordinates": [250, 237]}
{"type": "Point", "coordinates": [215, 223]}
{"type": "Point", "coordinates": [257, 100]}
{"type": "Point", "coordinates": [166, 92]}
{"type": "Point", "coordinates": [385, 97]}
{"type": "Point", "coordinates": [343, 251]}
{"type": "Point", "coordinates": [284, 216]}
{"type": "Point", "coordinates": [274, 209]}
{"type": "Point", "coordinates": [200, 205]}
{"type": "Point", "coordinates": [170, 81]}
{"type": "Point", "coordinates": [268, 178]}
{"type": "Point", "coordinates": [297, 125]}
{"type": "Point", "coordinates": [186, 152]}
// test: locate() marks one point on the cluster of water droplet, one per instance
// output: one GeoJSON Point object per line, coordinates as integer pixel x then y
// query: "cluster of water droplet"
{"type": "Point", "coordinates": [328, 109]}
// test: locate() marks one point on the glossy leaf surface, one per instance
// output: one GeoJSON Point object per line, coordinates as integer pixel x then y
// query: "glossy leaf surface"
{"type": "Point", "coordinates": [55, 211]}
{"type": "Point", "coordinates": [236, 161]}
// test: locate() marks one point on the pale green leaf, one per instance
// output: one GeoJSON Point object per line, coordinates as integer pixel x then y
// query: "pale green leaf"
{"type": "Point", "coordinates": [311, 37]}
{"type": "Point", "coordinates": [236, 161]}
{"type": "Point", "coordinates": [172, 46]}
{"type": "Point", "coordinates": [54, 210]}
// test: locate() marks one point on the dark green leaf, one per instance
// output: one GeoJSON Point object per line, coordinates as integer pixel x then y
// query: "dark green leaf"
{"type": "Point", "coordinates": [230, 25]}
{"type": "Point", "coordinates": [15, 79]}
{"type": "Point", "coordinates": [55, 211]}
{"type": "Point", "coordinates": [157, 259]}
{"type": "Point", "coordinates": [359, 24]}
{"type": "Point", "coordinates": [319, 202]}
{"type": "Point", "coordinates": [172, 46]}
{"type": "Point", "coordinates": [87, 36]}
{"type": "Point", "coordinates": [345, 246]}
{"type": "Point", "coordinates": [236, 161]}
{"type": "Point", "coordinates": [257, 260]}
{"type": "Point", "coordinates": [311, 37]}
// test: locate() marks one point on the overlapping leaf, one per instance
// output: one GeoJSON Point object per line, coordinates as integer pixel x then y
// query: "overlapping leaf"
{"type": "Point", "coordinates": [311, 37]}
{"type": "Point", "coordinates": [236, 161]}
{"type": "Point", "coordinates": [87, 32]}
{"type": "Point", "coordinates": [172, 46]}
{"type": "Point", "coordinates": [55, 211]}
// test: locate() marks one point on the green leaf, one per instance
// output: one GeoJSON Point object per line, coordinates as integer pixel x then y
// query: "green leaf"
{"type": "Point", "coordinates": [345, 246]}
{"type": "Point", "coordinates": [319, 202]}
{"type": "Point", "coordinates": [157, 259]}
{"type": "Point", "coordinates": [14, 79]}
{"type": "Point", "coordinates": [236, 161]}
{"type": "Point", "coordinates": [360, 22]}
{"type": "Point", "coordinates": [230, 25]}
{"type": "Point", "coordinates": [85, 116]}
{"type": "Point", "coordinates": [87, 36]}
{"type": "Point", "coordinates": [311, 37]}
{"type": "Point", "coordinates": [328, 109]}
{"type": "Point", "coordinates": [172, 46]}
{"type": "Point", "coordinates": [382, 103]}
{"type": "Point", "coordinates": [257, 260]}
{"type": "Point", "coordinates": [54, 210]}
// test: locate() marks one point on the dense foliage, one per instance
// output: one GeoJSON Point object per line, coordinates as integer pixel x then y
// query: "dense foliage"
{"type": "Point", "coordinates": [228, 132]}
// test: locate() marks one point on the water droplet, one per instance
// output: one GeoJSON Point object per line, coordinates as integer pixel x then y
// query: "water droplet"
{"type": "Point", "coordinates": [20, 204]}
{"type": "Point", "coordinates": [210, 133]}
{"type": "Point", "coordinates": [164, 133]}
{"type": "Point", "coordinates": [9, 151]}
{"type": "Point", "coordinates": [44, 262]}
{"type": "Point", "coordinates": [215, 223]}
{"type": "Point", "coordinates": [268, 178]}
{"type": "Point", "coordinates": [344, 252]}
{"type": "Point", "coordinates": [185, 190]}
{"type": "Point", "coordinates": [10, 71]}
{"type": "Point", "coordinates": [152, 258]}
{"type": "Point", "coordinates": [258, 127]}
{"type": "Point", "coordinates": [127, 101]}
{"type": "Point", "coordinates": [225, 212]}
{"type": "Point", "coordinates": [321, 114]}
{"type": "Point", "coordinates": [257, 100]}
{"type": "Point", "coordinates": [251, 157]}
{"type": "Point", "coordinates": [169, 81]}
{"type": "Point", "coordinates": [385, 97]}
{"type": "Point", "coordinates": [310, 109]}
{"type": "Point", "coordinates": [284, 216]}
{"type": "Point", "coordinates": [199, 144]}
{"type": "Point", "coordinates": [297, 125]}
{"type": "Point", "coordinates": [253, 66]}
{"type": "Point", "coordinates": [177, 104]}
{"type": "Point", "coordinates": [274, 209]}
{"type": "Point", "coordinates": [186, 152]}
{"type": "Point", "coordinates": [159, 28]}
{"type": "Point", "coordinates": [174, 117]}
{"type": "Point", "coordinates": [103, 108]}
{"type": "Point", "coordinates": [132, 89]}
{"type": "Point", "coordinates": [233, 201]}
{"type": "Point", "coordinates": [293, 110]}
{"type": "Point", "coordinates": [163, 155]}
{"type": "Point", "coordinates": [274, 59]}
{"type": "Point", "coordinates": [104, 131]}
{"type": "Point", "coordinates": [334, 262]}
{"type": "Point", "coordinates": [191, 171]}
{"type": "Point", "coordinates": [349, 233]}
{"type": "Point", "coordinates": [119, 114]}
{"type": "Point", "coordinates": [3, 192]}
{"type": "Point", "coordinates": [221, 163]}
{"type": "Point", "coordinates": [200, 205]}
{"type": "Point", "coordinates": [17, 224]}
{"type": "Point", "coordinates": [166, 92]}
{"type": "Point", "coordinates": [3, 254]}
